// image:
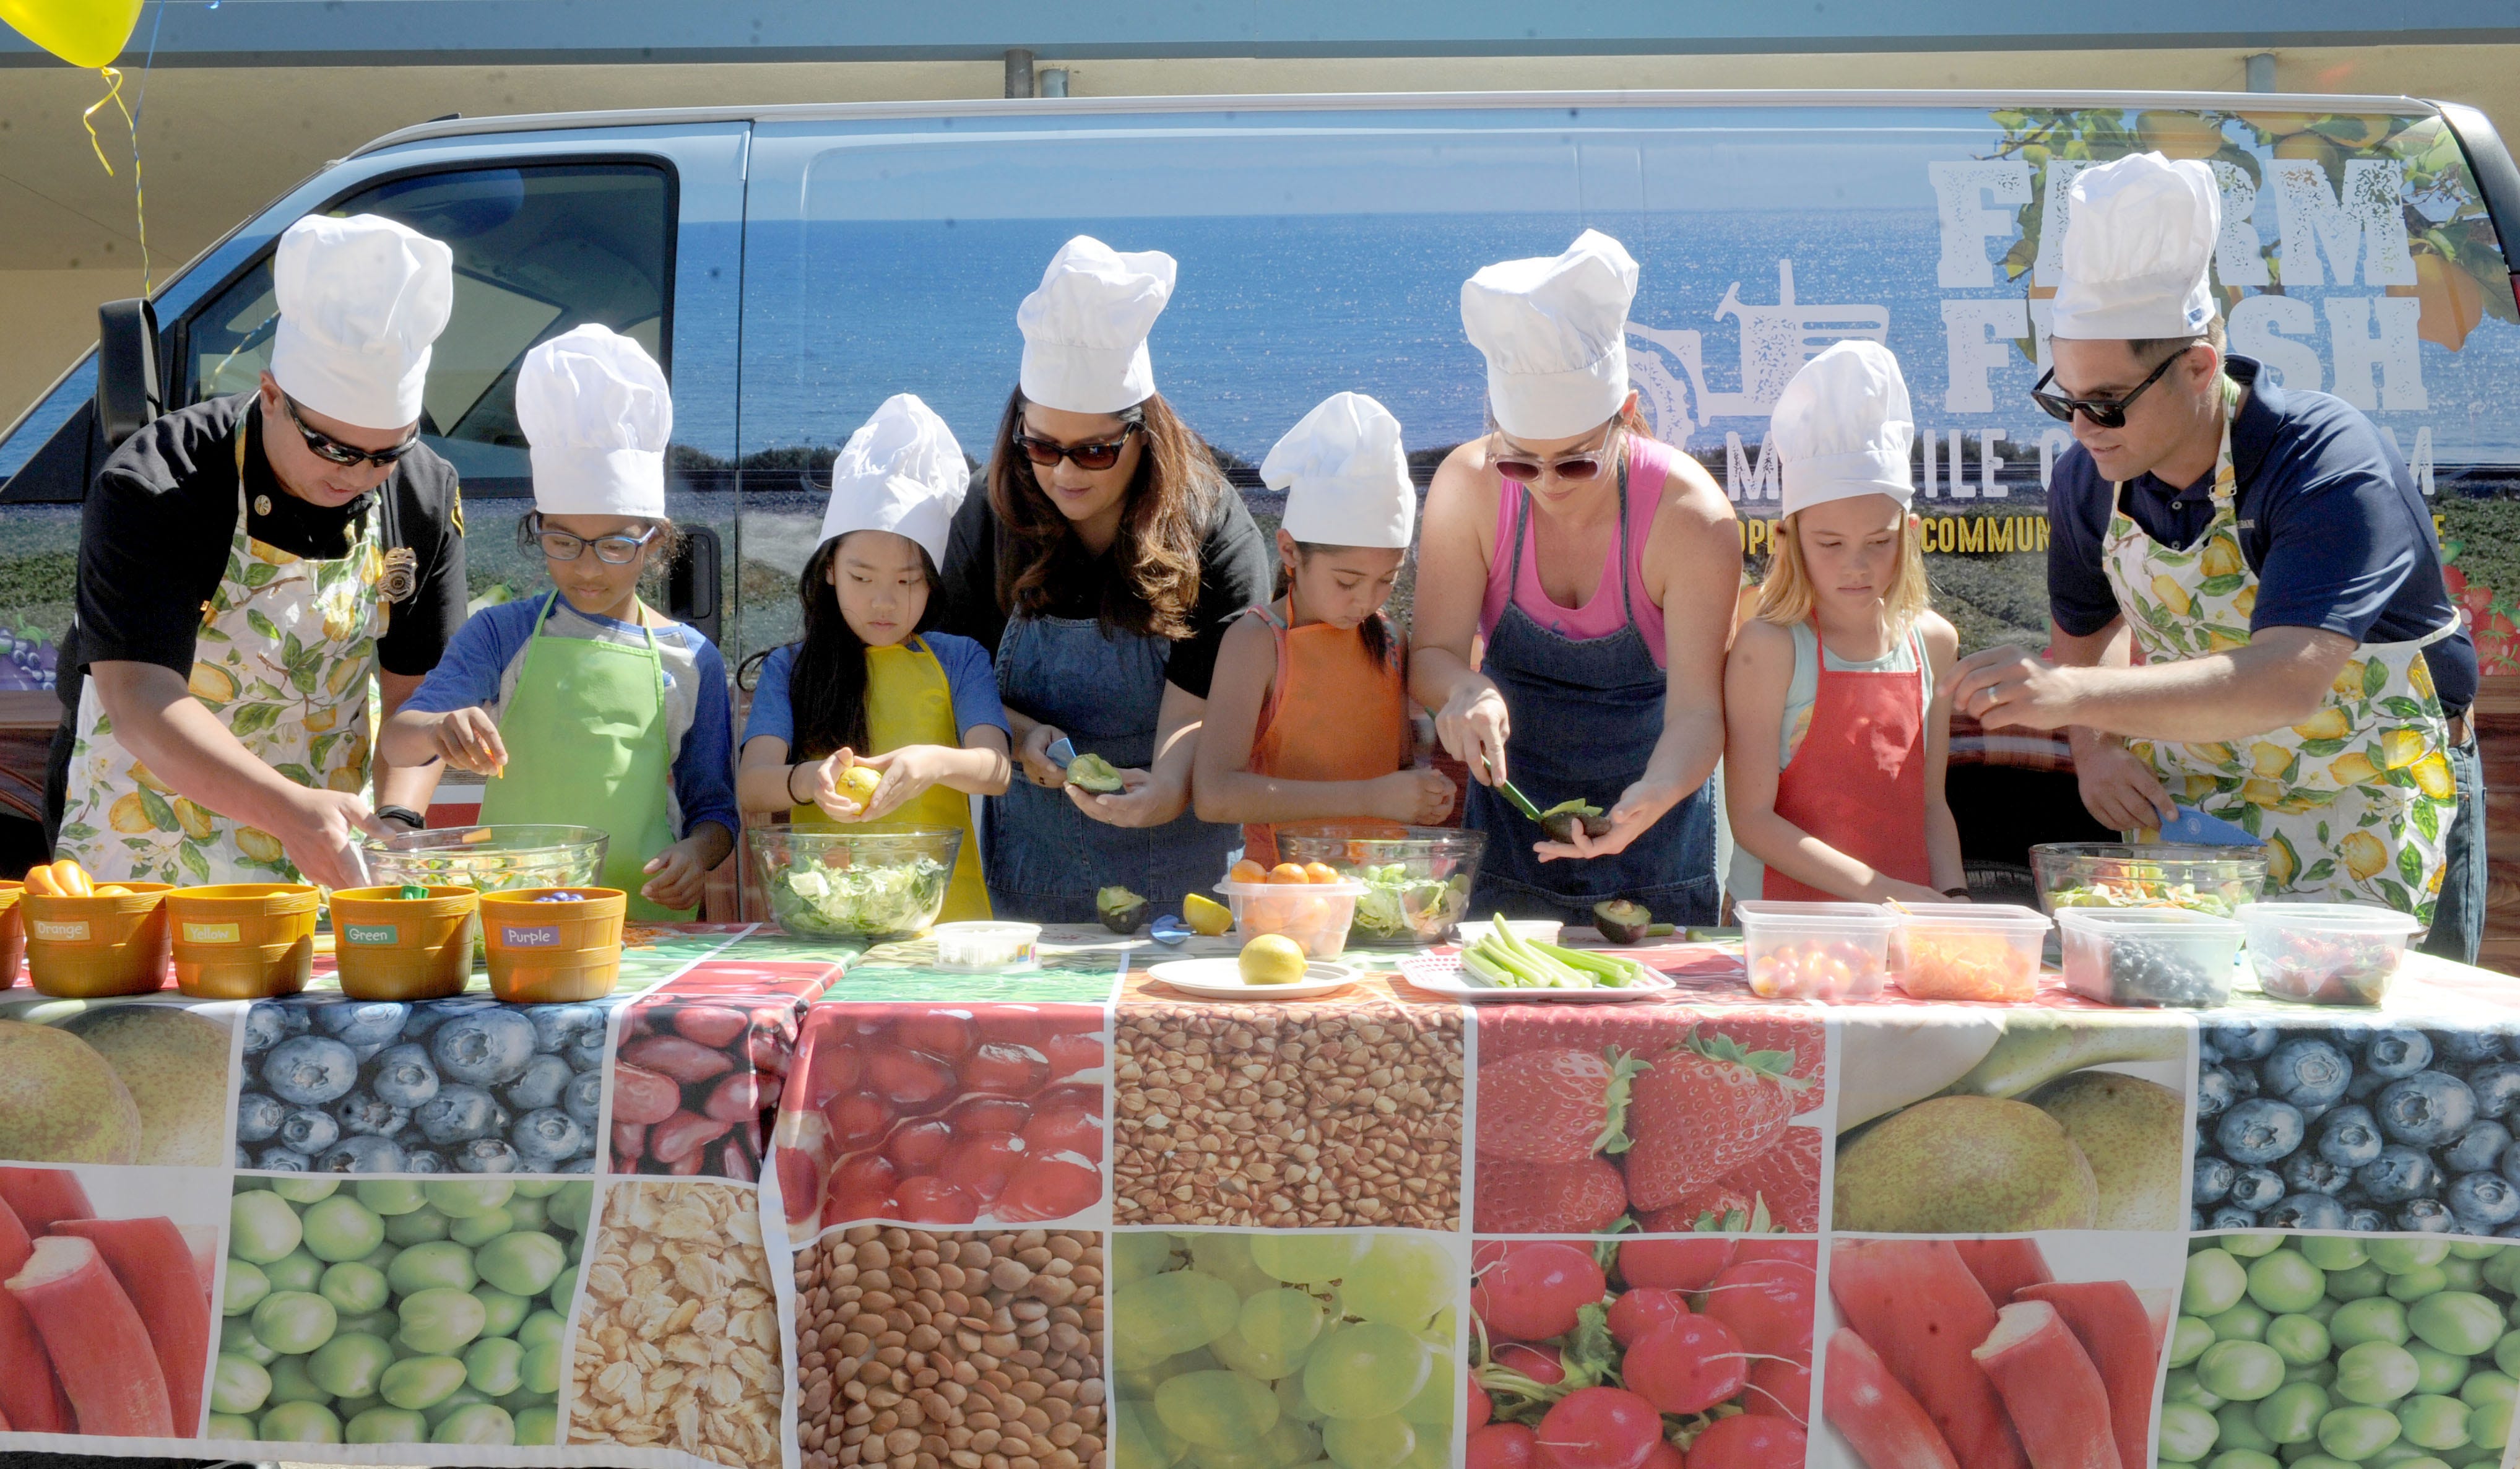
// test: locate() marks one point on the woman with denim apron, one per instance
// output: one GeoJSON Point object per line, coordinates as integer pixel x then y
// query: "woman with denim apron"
{"type": "Point", "coordinates": [1103, 566]}
{"type": "Point", "coordinates": [1597, 569]}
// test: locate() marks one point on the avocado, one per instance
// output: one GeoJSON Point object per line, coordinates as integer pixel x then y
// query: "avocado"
{"type": "Point", "coordinates": [1560, 820]}
{"type": "Point", "coordinates": [1622, 922]}
{"type": "Point", "coordinates": [1121, 909]}
{"type": "Point", "coordinates": [1095, 774]}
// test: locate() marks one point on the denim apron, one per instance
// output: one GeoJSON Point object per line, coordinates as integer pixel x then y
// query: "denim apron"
{"type": "Point", "coordinates": [1104, 689]}
{"type": "Point", "coordinates": [1584, 714]}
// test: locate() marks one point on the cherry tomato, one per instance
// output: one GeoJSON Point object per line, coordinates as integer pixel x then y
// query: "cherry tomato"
{"type": "Point", "coordinates": [1768, 1304]}
{"type": "Point", "coordinates": [915, 1147]}
{"type": "Point", "coordinates": [1748, 1442]}
{"type": "Point", "coordinates": [1639, 1312]}
{"type": "Point", "coordinates": [1688, 1366]}
{"type": "Point", "coordinates": [1053, 1187]}
{"type": "Point", "coordinates": [1000, 1068]}
{"type": "Point", "coordinates": [980, 1165]}
{"type": "Point", "coordinates": [1687, 1263]}
{"type": "Point", "coordinates": [1533, 1293]}
{"type": "Point", "coordinates": [1599, 1428]}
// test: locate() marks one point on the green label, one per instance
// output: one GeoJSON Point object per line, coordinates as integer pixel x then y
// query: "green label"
{"type": "Point", "coordinates": [371, 933]}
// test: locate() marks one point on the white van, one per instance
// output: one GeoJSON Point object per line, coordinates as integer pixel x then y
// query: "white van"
{"type": "Point", "coordinates": [792, 266]}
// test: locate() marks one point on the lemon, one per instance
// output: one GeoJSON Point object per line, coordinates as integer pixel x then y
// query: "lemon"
{"type": "Point", "coordinates": [858, 782]}
{"type": "Point", "coordinates": [1205, 915]}
{"type": "Point", "coordinates": [1273, 958]}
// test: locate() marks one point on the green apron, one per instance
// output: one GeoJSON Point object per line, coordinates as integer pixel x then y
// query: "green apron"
{"type": "Point", "coordinates": [586, 741]}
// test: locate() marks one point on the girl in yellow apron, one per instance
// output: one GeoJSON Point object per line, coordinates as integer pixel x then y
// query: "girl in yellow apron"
{"type": "Point", "coordinates": [869, 719]}
{"type": "Point", "coordinates": [585, 707]}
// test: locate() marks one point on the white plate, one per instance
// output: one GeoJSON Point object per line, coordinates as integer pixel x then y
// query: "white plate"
{"type": "Point", "coordinates": [1221, 979]}
{"type": "Point", "coordinates": [1443, 975]}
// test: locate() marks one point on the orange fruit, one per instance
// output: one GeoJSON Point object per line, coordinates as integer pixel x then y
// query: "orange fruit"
{"type": "Point", "coordinates": [1287, 872]}
{"type": "Point", "coordinates": [1319, 871]}
{"type": "Point", "coordinates": [1246, 870]}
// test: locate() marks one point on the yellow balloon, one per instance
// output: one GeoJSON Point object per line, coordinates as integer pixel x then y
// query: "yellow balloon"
{"type": "Point", "coordinates": [87, 33]}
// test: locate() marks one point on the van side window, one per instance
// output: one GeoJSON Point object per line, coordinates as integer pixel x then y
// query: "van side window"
{"type": "Point", "coordinates": [537, 251]}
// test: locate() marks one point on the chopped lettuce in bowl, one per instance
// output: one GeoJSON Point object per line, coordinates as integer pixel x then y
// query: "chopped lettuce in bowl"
{"type": "Point", "coordinates": [1417, 878]}
{"type": "Point", "coordinates": [835, 885]}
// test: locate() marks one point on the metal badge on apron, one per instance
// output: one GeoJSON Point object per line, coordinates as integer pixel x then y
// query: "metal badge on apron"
{"type": "Point", "coordinates": [283, 658]}
{"type": "Point", "coordinates": [2353, 802]}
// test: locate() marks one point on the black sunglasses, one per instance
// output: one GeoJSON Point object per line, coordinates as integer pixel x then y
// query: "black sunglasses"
{"type": "Point", "coordinates": [2105, 413]}
{"type": "Point", "coordinates": [1089, 456]}
{"type": "Point", "coordinates": [349, 456]}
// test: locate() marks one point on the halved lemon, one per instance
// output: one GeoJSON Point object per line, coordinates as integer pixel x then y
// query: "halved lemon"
{"type": "Point", "coordinates": [1205, 915]}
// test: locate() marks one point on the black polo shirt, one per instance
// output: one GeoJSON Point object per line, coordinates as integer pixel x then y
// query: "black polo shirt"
{"type": "Point", "coordinates": [2331, 520]}
{"type": "Point", "coordinates": [153, 540]}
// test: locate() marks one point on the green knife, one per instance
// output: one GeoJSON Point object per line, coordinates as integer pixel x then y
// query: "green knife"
{"type": "Point", "coordinates": [1522, 802]}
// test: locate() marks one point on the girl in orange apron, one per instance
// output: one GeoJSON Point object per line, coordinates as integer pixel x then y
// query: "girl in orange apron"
{"type": "Point", "coordinates": [1308, 716]}
{"type": "Point", "coordinates": [870, 720]}
{"type": "Point", "coordinates": [1834, 743]}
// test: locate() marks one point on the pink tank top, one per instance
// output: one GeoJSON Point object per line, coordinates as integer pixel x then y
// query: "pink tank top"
{"type": "Point", "coordinates": [1648, 466]}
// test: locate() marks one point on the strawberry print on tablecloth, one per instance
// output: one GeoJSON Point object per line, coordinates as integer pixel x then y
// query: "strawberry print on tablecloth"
{"type": "Point", "coordinates": [1666, 1118]}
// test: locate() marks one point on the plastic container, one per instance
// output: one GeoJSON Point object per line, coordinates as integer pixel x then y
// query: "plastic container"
{"type": "Point", "coordinates": [854, 884]}
{"type": "Point", "coordinates": [389, 947]}
{"type": "Point", "coordinates": [242, 940]}
{"type": "Point", "coordinates": [2149, 956]}
{"type": "Point", "coordinates": [1315, 914]}
{"type": "Point", "coordinates": [546, 949]}
{"type": "Point", "coordinates": [2326, 953]}
{"type": "Point", "coordinates": [1417, 878]}
{"type": "Point", "coordinates": [1535, 930]}
{"type": "Point", "coordinates": [91, 948]}
{"type": "Point", "coordinates": [490, 859]}
{"type": "Point", "coordinates": [2212, 881]}
{"type": "Point", "coordinates": [984, 947]}
{"type": "Point", "coordinates": [1828, 951]}
{"type": "Point", "coordinates": [13, 933]}
{"type": "Point", "coordinates": [1968, 951]}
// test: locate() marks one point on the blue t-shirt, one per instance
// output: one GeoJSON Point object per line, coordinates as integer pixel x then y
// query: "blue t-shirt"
{"type": "Point", "coordinates": [481, 663]}
{"type": "Point", "coordinates": [2329, 519]}
{"type": "Point", "coordinates": [968, 679]}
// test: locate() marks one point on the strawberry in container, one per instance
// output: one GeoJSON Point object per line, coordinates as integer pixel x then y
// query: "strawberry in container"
{"type": "Point", "coordinates": [944, 1114]}
{"type": "Point", "coordinates": [696, 1082]}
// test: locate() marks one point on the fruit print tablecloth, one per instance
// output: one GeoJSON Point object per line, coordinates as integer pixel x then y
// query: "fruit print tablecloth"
{"type": "Point", "coordinates": [804, 1205]}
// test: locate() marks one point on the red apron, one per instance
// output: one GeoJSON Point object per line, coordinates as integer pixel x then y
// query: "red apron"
{"type": "Point", "coordinates": [1858, 780]}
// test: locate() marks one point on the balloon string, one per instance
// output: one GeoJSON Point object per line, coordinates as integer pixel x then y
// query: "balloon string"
{"type": "Point", "coordinates": [139, 208]}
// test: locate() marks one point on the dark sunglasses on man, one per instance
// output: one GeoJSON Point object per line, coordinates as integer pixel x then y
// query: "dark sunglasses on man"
{"type": "Point", "coordinates": [1088, 457]}
{"type": "Point", "coordinates": [349, 456]}
{"type": "Point", "coordinates": [2104, 413]}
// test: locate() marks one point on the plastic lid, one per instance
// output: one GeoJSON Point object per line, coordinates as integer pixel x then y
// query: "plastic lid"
{"type": "Point", "coordinates": [2005, 916]}
{"type": "Point", "coordinates": [1849, 917]}
{"type": "Point", "coordinates": [2122, 919]}
{"type": "Point", "coordinates": [1268, 889]}
{"type": "Point", "coordinates": [2354, 918]}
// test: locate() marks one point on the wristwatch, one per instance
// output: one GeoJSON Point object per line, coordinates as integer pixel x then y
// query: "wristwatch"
{"type": "Point", "coordinates": [403, 814]}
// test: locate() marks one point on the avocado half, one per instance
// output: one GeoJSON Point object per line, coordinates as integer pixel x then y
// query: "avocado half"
{"type": "Point", "coordinates": [1121, 909]}
{"type": "Point", "coordinates": [1622, 922]}
{"type": "Point", "coordinates": [1560, 820]}
{"type": "Point", "coordinates": [1095, 774]}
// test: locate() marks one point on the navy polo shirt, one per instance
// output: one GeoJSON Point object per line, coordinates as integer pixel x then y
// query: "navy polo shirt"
{"type": "Point", "coordinates": [2330, 522]}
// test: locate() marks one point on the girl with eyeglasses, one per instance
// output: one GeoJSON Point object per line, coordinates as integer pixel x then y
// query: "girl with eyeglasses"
{"type": "Point", "coordinates": [870, 684]}
{"type": "Point", "coordinates": [587, 708]}
{"type": "Point", "coordinates": [1575, 591]}
{"type": "Point", "coordinates": [1101, 568]}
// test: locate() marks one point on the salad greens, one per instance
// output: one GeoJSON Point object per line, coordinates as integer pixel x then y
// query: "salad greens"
{"type": "Point", "coordinates": [1401, 904]}
{"type": "Point", "coordinates": [2137, 892]}
{"type": "Point", "coordinates": [867, 899]}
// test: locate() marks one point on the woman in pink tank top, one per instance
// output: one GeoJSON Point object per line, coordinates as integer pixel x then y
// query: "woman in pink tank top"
{"type": "Point", "coordinates": [1596, 567]}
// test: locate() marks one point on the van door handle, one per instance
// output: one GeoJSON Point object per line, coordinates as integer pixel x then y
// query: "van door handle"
{"type": "Point", "coordinates": [692, 594]}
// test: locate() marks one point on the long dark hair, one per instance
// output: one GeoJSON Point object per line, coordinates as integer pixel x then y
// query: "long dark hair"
{"type": "Point", "coordinates": [1171, 500]}
{"type": "Point", "coordinates": [827, 684]}
{"type": "Point", "coordinates": [1380, 639]}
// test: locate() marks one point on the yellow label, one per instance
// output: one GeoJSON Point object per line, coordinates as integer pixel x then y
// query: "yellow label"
{"type": "Point", "coordinates": [211, 933]}
{"type": "Point", "coordinates": [62, 933]}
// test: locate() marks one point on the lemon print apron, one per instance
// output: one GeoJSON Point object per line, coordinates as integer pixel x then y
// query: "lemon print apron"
{"type": "Point", "coordinates": [2353, 803]}
{"type": "Point", "coordinates": [909, 703]}
{"type": "Point", "coordinates": [285, 658]}
{"type": "Point", "coordinates": [587, 746]}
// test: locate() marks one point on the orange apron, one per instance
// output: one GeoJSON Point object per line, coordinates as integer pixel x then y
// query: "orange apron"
{"type": "Point", "coordinates": [1857, 779]}
{"type": "Point", "coordinates": [1333, 713]}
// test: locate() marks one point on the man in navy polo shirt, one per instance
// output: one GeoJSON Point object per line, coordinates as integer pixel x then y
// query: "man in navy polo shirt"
{"type": "Point", "coordinates": [2306, 678]}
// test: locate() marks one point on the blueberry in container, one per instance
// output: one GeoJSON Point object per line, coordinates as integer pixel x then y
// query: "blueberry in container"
{"type": "Point", "coordinates": [2148, 957]}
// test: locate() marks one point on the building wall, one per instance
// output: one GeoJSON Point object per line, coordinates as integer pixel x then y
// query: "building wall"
{"type": "Point", "coordinates": [217, 144]}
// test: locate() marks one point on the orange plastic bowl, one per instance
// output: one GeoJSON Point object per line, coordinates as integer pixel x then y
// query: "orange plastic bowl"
{"type": "Point", "coordinates": [92, 947]}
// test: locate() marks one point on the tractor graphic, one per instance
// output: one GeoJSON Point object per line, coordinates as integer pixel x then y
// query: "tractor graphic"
{"type": "Point", "coordinates": [1776, 342]}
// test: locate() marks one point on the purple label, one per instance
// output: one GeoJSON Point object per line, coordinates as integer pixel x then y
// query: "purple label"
{"type": "Point", "coordinates": [529, 937]}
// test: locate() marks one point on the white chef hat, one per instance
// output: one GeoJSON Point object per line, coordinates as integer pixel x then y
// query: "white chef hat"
{"type": "Point", "coordinates": [1554, 329]}
{"type": "Point", "coordinates": [360, 301]}
{"type": "Point", "coordinates": [1345, 475]}
{"type": "Point", "coordinates": [2139, 239]}
{"type": "Point", "coordinates": [902, 471]}
{"type": "Point", "coordinates": [1842, 427]}
{"type": "Point", "coordinates": [1085, 326]}
{"type": "Point", "coordinates": [597, 414]}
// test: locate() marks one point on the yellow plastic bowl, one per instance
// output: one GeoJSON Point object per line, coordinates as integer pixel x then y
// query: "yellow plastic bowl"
{"type": "Point", "coordinates": [242, 940]}
{"type": "Point", "coordinates": [93, 948]}
{"type": "Point", "coordinates": [389, 947]}
{"type": "Point", "coordinates": [12, 932]}
{"type": "Point", "coordinates": [553, 952]}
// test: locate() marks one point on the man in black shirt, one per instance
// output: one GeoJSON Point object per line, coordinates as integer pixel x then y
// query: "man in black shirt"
{"type": "Point", "coordinates": [245, 564]}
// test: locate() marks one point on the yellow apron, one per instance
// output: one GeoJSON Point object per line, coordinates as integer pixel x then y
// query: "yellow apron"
{"type": "Point", "coordinates": [2355, 803]}
{"type": "Point", "coordinates": [909, 703]}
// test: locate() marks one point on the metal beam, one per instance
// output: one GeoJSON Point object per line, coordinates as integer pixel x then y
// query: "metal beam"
{"type": "Point", "coordinates": [484, 32]}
